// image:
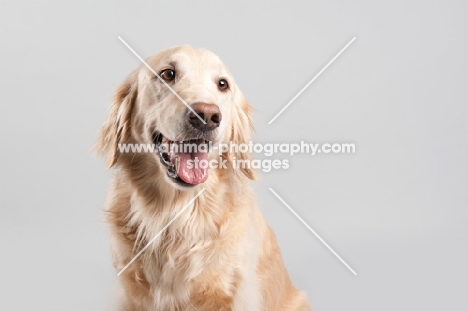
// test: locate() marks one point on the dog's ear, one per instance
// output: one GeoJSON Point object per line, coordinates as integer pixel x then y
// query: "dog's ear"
{"type": "Point", "coordinates": [117, 127]}
{"type": "Point", "coordinates": [241, 133]}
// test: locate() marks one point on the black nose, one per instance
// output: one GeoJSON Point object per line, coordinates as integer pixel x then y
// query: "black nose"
{"type": "Point", "coordinates": [209, 113]}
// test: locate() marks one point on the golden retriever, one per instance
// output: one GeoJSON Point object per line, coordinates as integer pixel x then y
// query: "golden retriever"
{"type": "Point", "coordinates": [219, 254]}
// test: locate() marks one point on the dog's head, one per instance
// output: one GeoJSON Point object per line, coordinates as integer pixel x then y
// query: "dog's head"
{"type": "Point", "coordinates": [193, 103]}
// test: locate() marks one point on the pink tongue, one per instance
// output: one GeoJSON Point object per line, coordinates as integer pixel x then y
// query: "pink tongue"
{"type": "Point", "coordinates": [189, 169]}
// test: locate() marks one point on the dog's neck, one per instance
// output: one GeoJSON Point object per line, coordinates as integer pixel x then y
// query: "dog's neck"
{"type": "Point", "coordinates": [155, 201]}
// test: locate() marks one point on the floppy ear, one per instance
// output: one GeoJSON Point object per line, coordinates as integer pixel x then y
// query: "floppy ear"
{"type": "Point", "coordinates": [117, 127]}
{"type": "Point", "coordinates": [241, 132]}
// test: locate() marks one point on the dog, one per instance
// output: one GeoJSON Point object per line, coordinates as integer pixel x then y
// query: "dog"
{"type": "Point", "coordinates": [211, 253]}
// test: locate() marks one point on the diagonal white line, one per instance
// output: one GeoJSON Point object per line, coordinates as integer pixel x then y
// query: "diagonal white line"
{"type": "Point", "coordinates": [161, 79]}
{"type": "Point", "coordinates": [313, 79]}
{"type": "Point", "coordinates": [313, 231]}
{"type": "Point", "coordinates": [162, 230]}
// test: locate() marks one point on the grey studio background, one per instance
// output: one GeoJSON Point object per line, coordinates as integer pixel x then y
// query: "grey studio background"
{"type": "Point", "coordinates": [396, 210]}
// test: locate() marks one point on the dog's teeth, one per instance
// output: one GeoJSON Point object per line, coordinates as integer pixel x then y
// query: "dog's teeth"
{"type": "Point", "coordinates": [177, 165]}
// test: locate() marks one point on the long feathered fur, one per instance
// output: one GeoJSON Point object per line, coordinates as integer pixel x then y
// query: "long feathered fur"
{"type": "Point", "coordinates": [219, 254]}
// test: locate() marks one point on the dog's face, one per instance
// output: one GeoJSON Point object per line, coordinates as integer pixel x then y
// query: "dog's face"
{"type": "Point", "coordinates": [194, 102]}
{"type": "Point", "coordinates": [201, 80]}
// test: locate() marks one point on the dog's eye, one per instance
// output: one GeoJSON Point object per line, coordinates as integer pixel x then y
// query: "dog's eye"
{"type": "Point", "coordinates": [168, 75]}
{"type": "Point", "coordinates": [222, 85]}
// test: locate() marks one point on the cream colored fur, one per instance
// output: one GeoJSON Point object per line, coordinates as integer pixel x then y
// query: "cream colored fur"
{"type": "Point", "coordinates": [219, 254]}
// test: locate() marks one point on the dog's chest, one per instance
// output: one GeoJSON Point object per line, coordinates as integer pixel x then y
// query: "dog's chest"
{"type": "Point", "coordinates": [191, 257]}
{"type": "Point", "coordinates": [176, 259]}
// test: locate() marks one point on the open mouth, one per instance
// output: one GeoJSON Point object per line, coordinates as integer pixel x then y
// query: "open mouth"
{"type": "Point", "coordinates": [186, 161]}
